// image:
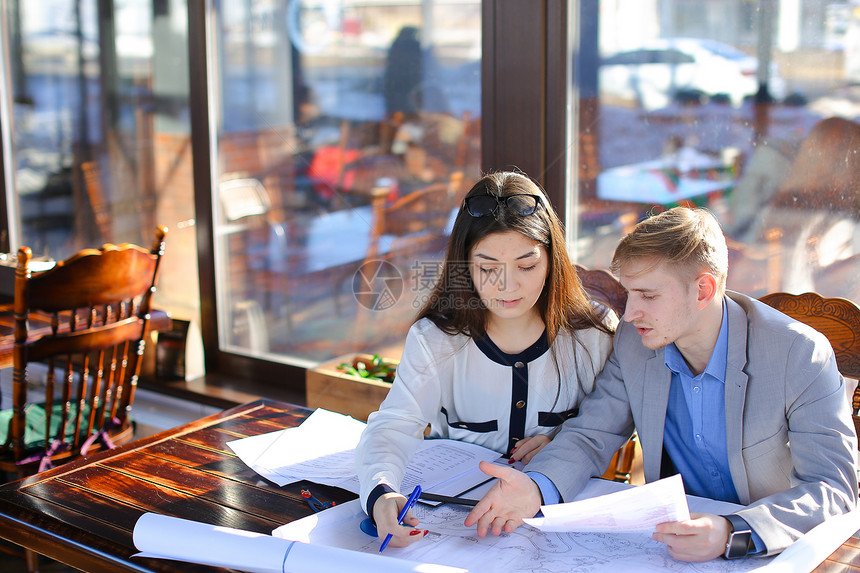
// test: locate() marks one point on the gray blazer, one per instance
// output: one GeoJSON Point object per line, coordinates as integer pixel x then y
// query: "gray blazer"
{"type": "Point", "coordinates": [782, 386]}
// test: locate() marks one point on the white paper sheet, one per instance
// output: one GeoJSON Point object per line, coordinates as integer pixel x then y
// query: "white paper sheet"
{"type": "Point", "coordinates": [446, 467]}
{"type": "Point", "coordinates": [164, 537]}
{"type": "Point", "coordinates": [323, 446]}
{"type": "Point", "coordinates": [632, 510]}
{"type": "Point", "coordinates": [322, 450]}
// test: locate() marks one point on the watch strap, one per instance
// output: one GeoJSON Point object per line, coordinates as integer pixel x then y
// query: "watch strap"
{"type": "Point", "coordinates": [739, 543]}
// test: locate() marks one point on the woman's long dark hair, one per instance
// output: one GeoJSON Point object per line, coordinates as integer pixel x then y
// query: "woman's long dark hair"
{"type": "Point", "coordinates": [455, 307]}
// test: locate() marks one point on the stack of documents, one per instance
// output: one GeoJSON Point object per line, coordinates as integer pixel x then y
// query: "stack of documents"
{"type": "Point", "coordinates": [322, 450]}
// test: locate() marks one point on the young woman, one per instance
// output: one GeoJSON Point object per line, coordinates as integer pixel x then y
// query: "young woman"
{"type": "Point", "coordinates": [501, 354]}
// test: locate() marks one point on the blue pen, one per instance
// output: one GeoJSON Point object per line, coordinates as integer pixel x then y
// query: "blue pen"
{"type": "Point", "coordinates": [409, 503]}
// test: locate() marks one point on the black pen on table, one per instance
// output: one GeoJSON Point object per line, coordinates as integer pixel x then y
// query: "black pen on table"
{"type": "Point", "coordinates": [413, 497]}
{"type": "Point", "coordinates": [435, 497]}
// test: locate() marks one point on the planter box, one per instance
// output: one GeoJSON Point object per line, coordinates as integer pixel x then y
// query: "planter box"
{"type": "Point", "coordinates": [328, 388]}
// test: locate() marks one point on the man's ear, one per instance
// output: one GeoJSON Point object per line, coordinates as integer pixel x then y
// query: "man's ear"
{"type": "Point", "coordinates": [706, 288]}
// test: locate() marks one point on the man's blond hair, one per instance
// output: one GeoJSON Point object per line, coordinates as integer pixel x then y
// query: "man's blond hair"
{"type": "Point", "coordinates": [690, 240]}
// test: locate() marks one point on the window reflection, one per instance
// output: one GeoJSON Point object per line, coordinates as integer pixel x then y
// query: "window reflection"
{"type": "Point", "coordinates": [760, 126]}
{"type": "Point", "coordinates": [53, 71]}
{"type": "Point", "coordinates": [345, 132]}
{"type": "Point", "coordinates": [100, 133]}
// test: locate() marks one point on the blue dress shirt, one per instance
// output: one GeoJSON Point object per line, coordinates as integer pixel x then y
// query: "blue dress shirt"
{"type": "Point", "coordinates": [695, 432]}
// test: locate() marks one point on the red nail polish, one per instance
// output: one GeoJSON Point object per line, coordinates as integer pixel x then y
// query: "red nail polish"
{"type": "Point", "coordinates": [512, 461]}
{"type": "Point", "coordinates": [426, 531]}
{"type": "Point", "coordinates": [415, 532]}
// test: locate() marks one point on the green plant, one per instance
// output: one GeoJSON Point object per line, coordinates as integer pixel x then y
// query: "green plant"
{"type": "Point", "coordinates": [377, 368]}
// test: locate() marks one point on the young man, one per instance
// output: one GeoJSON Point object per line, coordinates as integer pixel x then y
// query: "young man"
{"type": "Point", "coordinates": [745, 403]}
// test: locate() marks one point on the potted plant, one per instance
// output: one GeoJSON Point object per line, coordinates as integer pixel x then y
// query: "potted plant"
{"type": "Point", "coordinates": [353, 384]}
{"type": "Point", "coordinates": [377, 368]}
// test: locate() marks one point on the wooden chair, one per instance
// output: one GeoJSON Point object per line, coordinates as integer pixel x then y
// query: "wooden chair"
{"type": "Point", "coordinates": [836, 318]}
{"type": "Point", "coordinates": [411, 227]}
{"type": "Point", "coordinates": [99, 301]}
{"type": "Point", "coordinates": [603, 287]}
{"type": "Point", "coordinates": [414, 219]}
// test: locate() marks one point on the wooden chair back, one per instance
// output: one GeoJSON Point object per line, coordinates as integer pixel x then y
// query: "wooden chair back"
{"type": "Point", "coordinates": [823, 176]}
{"type": "Point", "coordinates": [99, 304]}
{"type": "Point", "coordinates": [426, 209]}
{"type": "Point", "coordinates": [836, 318]}
{"type": "Point", "coordinates": [414, 220]}
{"type": "Point", "coordinates": [603, 287]}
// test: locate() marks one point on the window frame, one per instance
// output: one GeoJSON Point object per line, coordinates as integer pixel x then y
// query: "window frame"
{"type": "Point", "coordinates": [520, 102]}
{"type": "Point", "coordinates": [523, 105]}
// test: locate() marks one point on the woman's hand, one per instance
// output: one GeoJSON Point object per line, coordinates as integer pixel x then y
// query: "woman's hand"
{"type": "Point", "coordinates": [526, 448]}
{"type": "Point", "coordinates": [385, 512]}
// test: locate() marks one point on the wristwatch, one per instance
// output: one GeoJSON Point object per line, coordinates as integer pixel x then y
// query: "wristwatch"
{"type": "Point", "coordinates": [740, 541]}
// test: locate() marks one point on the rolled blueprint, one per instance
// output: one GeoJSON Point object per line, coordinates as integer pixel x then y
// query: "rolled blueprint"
{"type": "Point", "coordinates": [165, 537]}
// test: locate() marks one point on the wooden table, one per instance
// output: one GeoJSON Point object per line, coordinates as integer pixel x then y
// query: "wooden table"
{"type": "Point", "coordinates": [83, 513]}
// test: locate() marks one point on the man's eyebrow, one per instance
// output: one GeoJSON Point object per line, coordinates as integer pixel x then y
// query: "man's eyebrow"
{"type": "Point", "coordinates": [641, 289]}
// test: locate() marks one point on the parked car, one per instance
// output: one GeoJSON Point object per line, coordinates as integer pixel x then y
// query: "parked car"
{"type": "Point", "coordinates": [656, 73]}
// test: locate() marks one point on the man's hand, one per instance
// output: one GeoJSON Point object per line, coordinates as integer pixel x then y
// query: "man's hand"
{"type": "Point", "coordinates": [385, 512]}
{"type": "Point", "coordinates": [526, 448]}
{"type": "Point", "coordinates": [514, 497]}
{"type": "Point", "coordinates": [702, 538]}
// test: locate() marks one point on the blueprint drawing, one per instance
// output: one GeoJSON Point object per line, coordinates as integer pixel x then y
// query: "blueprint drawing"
{"type": "Point", "coordinates": [525, 550]}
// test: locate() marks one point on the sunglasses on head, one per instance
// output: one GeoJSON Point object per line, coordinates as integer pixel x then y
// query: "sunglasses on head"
{"type": "Point", "coordinates": [520, 204]}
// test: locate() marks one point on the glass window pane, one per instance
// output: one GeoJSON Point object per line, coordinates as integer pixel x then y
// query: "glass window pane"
{"type": "Point", "coordinates": [346, 133]}
{"type": "Point", "coordinates": [779, 167]}
{"type": "Point", "coordinates": [101, 133]}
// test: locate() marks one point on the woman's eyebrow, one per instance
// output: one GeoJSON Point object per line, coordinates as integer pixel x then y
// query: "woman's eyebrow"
{"type": "Point", "coordinates": [534, 253]}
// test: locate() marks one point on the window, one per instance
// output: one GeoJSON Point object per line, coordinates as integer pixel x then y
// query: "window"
{"type": "Point", "coordinates": [344, 138]}
{"type": "Point", "coordinates": [755, 120]}
{"type": "Point", "coordinates": [99, 144]}
{"type": "Point", "coordinates": [322, 116]}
